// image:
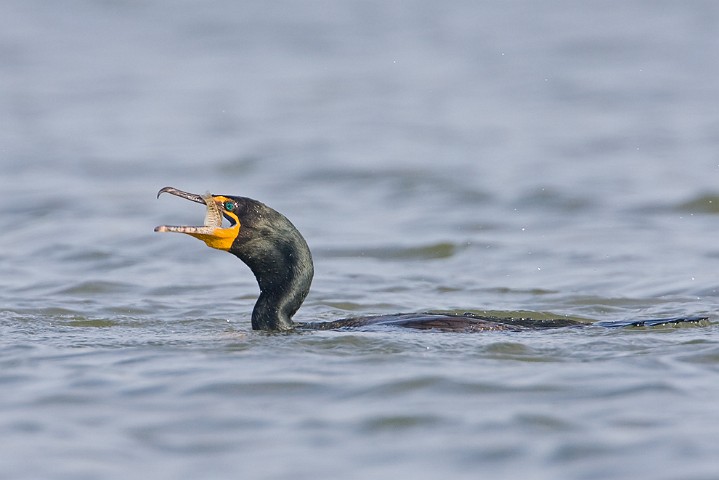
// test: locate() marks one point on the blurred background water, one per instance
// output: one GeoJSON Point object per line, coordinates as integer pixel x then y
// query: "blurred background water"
{"type": "Point", "coordinates": [509, 156]}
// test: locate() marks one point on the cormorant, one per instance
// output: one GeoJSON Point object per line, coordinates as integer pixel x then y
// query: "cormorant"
{"type": "Point", "coordinates": [281, 261]}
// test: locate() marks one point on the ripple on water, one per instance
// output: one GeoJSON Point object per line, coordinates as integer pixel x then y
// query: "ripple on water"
{"type": "Point", "coordinates": [397, 423]}
{"type": "Point", "coordinates": [367, 345]}
{"type": "Point", "coordinates": [510, 350]}
{"type": "Point", "coordinates": [210, 435]}
{"type": "Point", "coordinates": [704, 203]}
{"type": "Point", "coordinates": [257, 388]}
{"type": "Point", "coordinates": [431, 251]}
{"type": "Point", "coordinates": [703, 352]}
{"type": "Point", "coordinates": [544, 422]}
{"type": "Point", "coordinates": [94, 287]}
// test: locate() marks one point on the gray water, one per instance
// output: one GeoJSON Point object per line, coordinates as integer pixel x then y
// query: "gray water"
{"type": "Point", "coordinates": [517, 157]}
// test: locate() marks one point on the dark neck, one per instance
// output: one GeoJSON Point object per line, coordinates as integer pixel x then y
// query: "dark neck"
{"type": "Point", "coordinates": [280, 259]}
{"type": "Point", "coordinates": [282, 293]}
{"type": "Point", "coordinates": [272, 312]}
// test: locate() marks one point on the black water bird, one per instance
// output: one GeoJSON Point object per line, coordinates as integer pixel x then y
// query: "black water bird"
{"type": "Point", "coordinates": [278, 255]}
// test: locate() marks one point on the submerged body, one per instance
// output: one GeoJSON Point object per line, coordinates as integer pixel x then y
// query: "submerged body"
{"type": "Point", "coordinates": [278, 255]}
{"type": "Point", "coordinates": [470, 322]}
{"type": "Point", "coordinates": [443, 322]}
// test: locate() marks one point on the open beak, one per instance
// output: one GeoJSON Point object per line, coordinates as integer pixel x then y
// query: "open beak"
{"type": "Point", "coordinates": [211, 232]}
{"type": "Point", "coordinates": [213, 216]}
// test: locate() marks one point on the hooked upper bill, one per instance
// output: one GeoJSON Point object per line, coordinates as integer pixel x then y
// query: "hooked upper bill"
{"type": "Point", "coordinates": [211, 232]}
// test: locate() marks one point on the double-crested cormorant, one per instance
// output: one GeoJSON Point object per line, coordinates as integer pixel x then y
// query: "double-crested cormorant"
{"type": "Point", "coordinates": [278, 255]}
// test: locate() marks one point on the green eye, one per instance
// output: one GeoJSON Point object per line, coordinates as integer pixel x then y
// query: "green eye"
{"type": "Point", "coordinates": [229, 206]}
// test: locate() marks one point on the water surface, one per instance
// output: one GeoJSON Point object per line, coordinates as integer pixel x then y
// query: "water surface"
{"type": "Point", "coordinates": [502, 156]}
